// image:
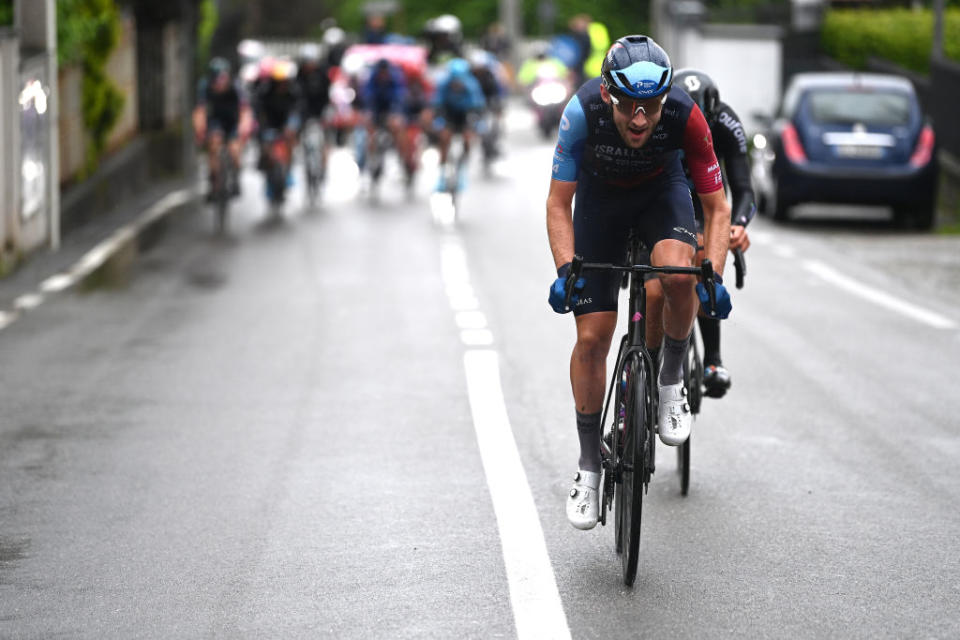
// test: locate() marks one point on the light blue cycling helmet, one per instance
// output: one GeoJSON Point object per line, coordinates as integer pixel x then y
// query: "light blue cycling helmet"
{"type": "Point", "coordinates": [637, 67]}
{"type": "Point", "coordinates": [458, 68]}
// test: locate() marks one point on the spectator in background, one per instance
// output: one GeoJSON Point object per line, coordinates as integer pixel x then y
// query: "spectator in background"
{"type": "Point", "coordinates": [495, 41]}
{"type": "Point", "coordinates": [375, 31]}
{"type": "Point", "coordinates": [580, 31]}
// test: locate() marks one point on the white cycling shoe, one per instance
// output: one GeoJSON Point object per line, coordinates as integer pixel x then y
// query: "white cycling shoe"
{"type": "Point", "coordinates": [675, 416]}
{"type": "Point", "coordinates": [583, 501]}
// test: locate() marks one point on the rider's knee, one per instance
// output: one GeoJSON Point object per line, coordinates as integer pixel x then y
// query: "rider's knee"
{"type": "Point", "coordinates": [593, 343]}
{"type": "Point", "coordinates": [678, 284]}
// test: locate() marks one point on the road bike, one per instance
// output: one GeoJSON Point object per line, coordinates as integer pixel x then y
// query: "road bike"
{"type": "Point", "coordinates": [628, 444]}
{"type": "Point", "coordinates": [693, 380]}
{"type": "Point", "coordinates": [314, 158]}
{"type": "Point", "coordinates": [276, 155]}
{"type": "Point", "coordinates": [454, 170]}
{"type": "Point", "coordinates": [223, 188]}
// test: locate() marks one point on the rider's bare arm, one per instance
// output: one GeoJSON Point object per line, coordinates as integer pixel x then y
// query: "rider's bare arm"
{"type": "Point", "coordinates": [560, 220]}
{"type": "Point", "coordinates": [716, 227]}
{"type": "Point", "coordinates": [566, 166]}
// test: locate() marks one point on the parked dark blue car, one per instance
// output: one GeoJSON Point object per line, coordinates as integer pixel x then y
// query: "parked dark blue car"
{"type": "Point", "coordinates": [852, 138]}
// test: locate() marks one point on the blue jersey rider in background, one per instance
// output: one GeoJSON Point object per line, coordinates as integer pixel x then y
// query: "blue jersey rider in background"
{"type": "Point", "coordinates": [383, 99]}
{"type": "Point", "coordinates": [457, 102]}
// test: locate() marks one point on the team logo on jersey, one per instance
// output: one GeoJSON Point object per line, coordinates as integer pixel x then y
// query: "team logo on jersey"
{"type": "Point", "coordinates": [564, 123]}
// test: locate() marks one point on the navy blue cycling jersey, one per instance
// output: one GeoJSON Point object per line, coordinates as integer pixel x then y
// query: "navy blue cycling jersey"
{"type": "Point", "coordinates": [589, 147]}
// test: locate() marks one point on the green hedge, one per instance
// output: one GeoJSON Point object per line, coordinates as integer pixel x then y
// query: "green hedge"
{"type": "Point", "coordinates": [87, 32]}
{"type": "Point", "coordinates": [621, 18]}
{"type": "Point", "coordinates": [6, 13]}
{"type": "Point", "coordinates": [902, 36]}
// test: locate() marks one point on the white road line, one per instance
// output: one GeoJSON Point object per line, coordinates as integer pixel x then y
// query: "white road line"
{"type": "Point", "coordinates": [537, 608]}
{"type": "Point", "coordinates": [534, 597]}
{"type": "Point", "coordinates": [878, 297]}
{"type": "Point", "coordinates": [6, 319]}
{"type": "Point", "coordinates": [57, 283]}
{"type": "Point", "coordinates": [471, 320]}
{"type": "Point", "coordinates": [28, 301]}
{"type": "Point", "coordinates": [476, 337]}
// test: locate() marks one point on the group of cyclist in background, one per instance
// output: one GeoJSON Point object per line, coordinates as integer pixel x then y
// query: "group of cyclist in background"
{"type": "Point", "coordinates": [382, 87]}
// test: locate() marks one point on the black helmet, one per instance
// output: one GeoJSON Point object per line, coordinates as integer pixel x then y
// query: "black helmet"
{"type": "Point", "coordinates": [637, 67]}
{"type": "Point", "coordinates": [701, 88]}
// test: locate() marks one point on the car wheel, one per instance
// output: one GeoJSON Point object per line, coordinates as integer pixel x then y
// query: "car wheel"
{"type": "Point", "coordinates": [778, 207]}
{"type": "Point", "coordinates": [918, 216]}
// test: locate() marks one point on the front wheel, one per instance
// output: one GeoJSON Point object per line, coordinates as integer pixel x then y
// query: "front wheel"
{"type": "Point", "coordinates": [633, 471]}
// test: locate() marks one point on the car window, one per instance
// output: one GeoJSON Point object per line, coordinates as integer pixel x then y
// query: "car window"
{"type": "Point", "coordinates": [884, 108]}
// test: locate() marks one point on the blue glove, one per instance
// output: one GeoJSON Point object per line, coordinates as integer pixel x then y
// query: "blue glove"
{"type": "Point", "coordinates": [724, 305]}
{"type": "Point", "coordinates": [558, 291]}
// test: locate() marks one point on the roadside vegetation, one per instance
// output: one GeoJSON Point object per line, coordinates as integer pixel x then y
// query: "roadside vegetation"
{"type": "Point", "coordinates": [6, 13]}
{"type": "Point", "coordinates": [87, 32]}
{"type": "Point", "coordinates": [902, 36]}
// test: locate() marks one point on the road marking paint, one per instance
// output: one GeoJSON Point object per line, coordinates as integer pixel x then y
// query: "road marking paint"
{"type": "Point", "coordinates": [471, 320]}
{"type": "Point", "coordinates": [6, 319]}
{"type": "Point", "coordinates": [878, 297]}
{"type": "Point", "coordinates": [28, 301]}
{"type": "Point", "coordinates": [476, 337]}
{"type": "Point", "coordinates": [57, 283]}
{"type": "Point", "coordinates": [460, 302]}
{"type": "Point", "coordinates": [537, 608]}
{"type": "Point", "coordinates": [534, 597]}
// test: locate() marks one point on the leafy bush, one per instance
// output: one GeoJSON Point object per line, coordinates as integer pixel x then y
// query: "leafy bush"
{"type": "Point", "coordinates": [87, 32]}
{"type": "Point", "coordinates": [902, 36]}
{"type": "Point", "coordinates": [207, 25]}
{"type": "Point", "coordinates": [6, 13]}
{"type": "Point", "coordinates": [620, 18]}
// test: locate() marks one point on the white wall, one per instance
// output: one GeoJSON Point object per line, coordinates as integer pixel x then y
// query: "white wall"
{"type": "Point", "coordinates": [744, 61]}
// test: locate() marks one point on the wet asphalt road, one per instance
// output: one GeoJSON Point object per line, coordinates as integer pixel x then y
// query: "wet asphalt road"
{"type": "Point", "coordinates": [271, 436]}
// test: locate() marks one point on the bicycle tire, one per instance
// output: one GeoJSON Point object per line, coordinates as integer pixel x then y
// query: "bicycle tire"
{"type": "Point", "coordinates": [222, 191]}
{"type": "Point", "coordinates": [692, 381]}
{"type": "Point", "coordinates": [636, 443]}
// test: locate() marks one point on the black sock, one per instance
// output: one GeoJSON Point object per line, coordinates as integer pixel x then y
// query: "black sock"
{"type": "Point", "coordinates": [588, 430]}
{"type": "Point", "coordinates": [710, 332]}
{"type": "Point", "coordinates": [674, 351]}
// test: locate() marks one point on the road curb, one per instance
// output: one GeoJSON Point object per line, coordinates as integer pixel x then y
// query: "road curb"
{"type": "Point", "coordinates": [110, 262]}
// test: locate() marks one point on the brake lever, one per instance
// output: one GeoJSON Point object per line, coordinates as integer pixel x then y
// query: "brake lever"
{"type": "Point", "coordinates": [576, 265]}
{"type": "Point", "coordinates": [706, 269]}
{"type": "Point", "coordinates": [740, 264]}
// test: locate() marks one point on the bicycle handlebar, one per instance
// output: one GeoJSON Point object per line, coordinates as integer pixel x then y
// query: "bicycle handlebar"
{"type": "Point", "coordinates": [740, 263]}
{"type": "Point", "coordinates": [577, 266]}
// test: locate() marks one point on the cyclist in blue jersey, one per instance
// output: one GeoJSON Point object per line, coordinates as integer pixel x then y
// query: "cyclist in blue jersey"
{"type": "Point", "coordinates": [383, 97]}
{"type": "Point", "coordinates": [618, 150]}
{"type": "Point", "coordinates": [457, 102]}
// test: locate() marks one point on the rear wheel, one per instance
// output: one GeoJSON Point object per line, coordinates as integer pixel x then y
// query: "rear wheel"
{"type": "Point", "coordinates": [693, 381]}
{"type": "Point", "coordinates": [636, 450]}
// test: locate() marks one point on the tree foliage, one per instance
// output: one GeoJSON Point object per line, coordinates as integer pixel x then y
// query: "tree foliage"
{"type": "Point", "coordinates": [6, 13]}
{"type": "Point", "coordinates": [208, 19]}
{"type": "Point", "coordinates": [621, 18]}
{"type": "Point", "coordinates": [87, 32]}
{"type": "Point", "coordinates": [902, 36]}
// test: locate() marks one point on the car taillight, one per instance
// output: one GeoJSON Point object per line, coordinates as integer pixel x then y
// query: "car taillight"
{"type": "Point", "coordinates": [924, 151]}
{"type": "Point", "coordinates": [791, 145]}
